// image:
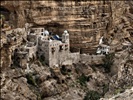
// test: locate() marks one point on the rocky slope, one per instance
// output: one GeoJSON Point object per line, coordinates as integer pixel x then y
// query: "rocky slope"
{"type": "Point", "coordinates": [127, 95]}
{"type": "Point", "coordinates": [40, 82]}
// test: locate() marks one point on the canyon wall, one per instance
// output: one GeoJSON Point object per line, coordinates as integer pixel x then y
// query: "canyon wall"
{"type": "Point", "coordinates": [86, 21]}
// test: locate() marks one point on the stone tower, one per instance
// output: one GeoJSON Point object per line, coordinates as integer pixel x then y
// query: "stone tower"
{"type": "Point", "coordinates": [65, 37]}
{"type": "Point", "coordinates": [65, 40]}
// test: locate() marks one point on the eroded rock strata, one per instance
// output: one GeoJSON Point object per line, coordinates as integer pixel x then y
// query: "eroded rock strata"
{"type": "Point", "coordinates": [85, 20]}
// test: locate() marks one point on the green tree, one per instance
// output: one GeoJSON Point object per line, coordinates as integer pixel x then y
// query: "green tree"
{"type": "Point", "coordinates": [82, 80]}
{"type": "Point", "coordinates": [108, 62]}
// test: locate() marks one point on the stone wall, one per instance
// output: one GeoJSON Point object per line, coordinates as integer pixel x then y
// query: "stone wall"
{"type": "Point", "coordinates": [74, 57]}
{"type": "Point", "coordinates": [32, 51]}
{"type": "Point", "coordinates": [91, 58]}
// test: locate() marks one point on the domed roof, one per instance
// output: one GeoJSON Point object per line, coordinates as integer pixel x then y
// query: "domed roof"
{"type": "Point", "coordinates": [50, 40]}
{"type": "Point", "coordinates": [66, 32]}
{"type": "Point", "coordinates": [46, 32]}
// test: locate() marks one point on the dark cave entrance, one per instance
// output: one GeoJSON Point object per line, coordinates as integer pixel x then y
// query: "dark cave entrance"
{"type": "Point", "coordinates": [5, 12]}
{"type": "Point", "coordinates": [55, 28]}
{"type": "Point", "coordinates": [4, 18]}
{"type": "Point", "coordinates": [131, 10]}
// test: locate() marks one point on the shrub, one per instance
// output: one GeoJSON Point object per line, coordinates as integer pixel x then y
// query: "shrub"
{"type": "Point", "coordinates": [105, 88]}
{"type": "Point", "coordinates": [82, 80]}
{"type": "Point", "coordinates": [119, 90]}
{"type": "Point", "coordinates": [92, 95]}
{"type": "Point", "coordinates": [30, 79]}
{"type": "Point", "coordinates": [108, 62]}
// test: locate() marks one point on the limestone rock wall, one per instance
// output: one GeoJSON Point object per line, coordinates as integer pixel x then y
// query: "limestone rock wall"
{"type": "Point", "coordinates": [86, 21]}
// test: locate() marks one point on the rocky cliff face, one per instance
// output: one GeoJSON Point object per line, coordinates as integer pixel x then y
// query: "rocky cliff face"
{"type": "Point", "coordinates": [86, 21]}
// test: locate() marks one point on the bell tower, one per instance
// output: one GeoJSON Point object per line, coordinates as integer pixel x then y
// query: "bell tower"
{"type": "Point", "coordinates": [65, 37]}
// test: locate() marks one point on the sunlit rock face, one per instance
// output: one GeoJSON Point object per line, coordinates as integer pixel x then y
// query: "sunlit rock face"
{"type": "Point", "coordinates": [86, 21]}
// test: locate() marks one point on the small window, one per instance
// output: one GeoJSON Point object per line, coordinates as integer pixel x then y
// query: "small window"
{"type": "Point", "coordinates": [42, 30]}
{"type": "Point", "coordinates": [60, 47]}
{"type": "Point", "coordinates": [66, 46]}
{"type": "Point", "coordinates": [53, 49]}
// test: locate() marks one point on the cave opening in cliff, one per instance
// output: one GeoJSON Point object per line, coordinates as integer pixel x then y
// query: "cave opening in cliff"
{"type": "Point", "coordinates": [131, 10]}
{"type": "Point", "coordinates": [55, 28]}
{"type": "Point", "coordinates": [5, 12]}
